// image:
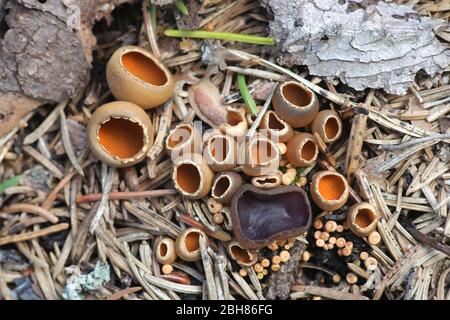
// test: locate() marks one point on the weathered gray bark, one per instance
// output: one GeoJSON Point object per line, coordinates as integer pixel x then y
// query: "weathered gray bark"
{"type": "Point", "coordinates": [367, 44]}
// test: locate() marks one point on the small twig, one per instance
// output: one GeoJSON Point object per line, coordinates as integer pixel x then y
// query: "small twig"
{"type": "Point", "coordinates": [413, 142]}
{"type": "Point", "coordinates": [67, 144]}
{"type": "Point", "coordinates": [261, 114]}
{"type": "Point", "coordinates": [33, 234]}
{"type": "Point", "coordinates": [104, 204]}
{"type": "Point", "coordinates": [126, 195]}
{"type": "Point", "coordinates": [150, 31]}
{"type": "Point", "coordinates": [23, 207]}
{"type": "Point", "coordinates": [327, 293]}
{"type": "Point", "coordinates": [429, 241]}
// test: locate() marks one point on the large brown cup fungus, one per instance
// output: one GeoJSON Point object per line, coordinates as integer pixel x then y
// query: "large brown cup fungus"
{"type": "Point", "coordinates": [135, 75]}
{"type": "Point", "coordinates": [263, 216]}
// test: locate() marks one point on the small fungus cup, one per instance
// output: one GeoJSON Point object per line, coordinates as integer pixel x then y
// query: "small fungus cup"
{"type": "Point", "coordinates": [120, 134]}
{"type": "Point", "coordinates": [184, 138]}
{"type": "Point", "coordinates": [165, 251]}
{"type": "Point", "coordinates": [135, 75]}
{"type": "Point", "coordinates": [328, 126]}
{"type": "Point", "coordinates": [302, 150]}
{"type": "Point", "coordinates": [362, 218]}
{"type": "Point", "coordinates": [220, 152]}
{"type": "Point", "coordinates": [236, 123]}
{"type": "Point", "coordinates": [261, 156]}
{"type": "Point", "coordinates": [188, 244]}
{"type": "Point", "coordinates": [225, 186]}
{"type": "Point", "coordinates": [295, 104]}
{"type": "Point", "coordinates": [242, 256]}
{"type": "Point", "coordinates": [276, 127]}
{"type": "Point", "coordinates": [192, 177]}
{"type": "Point", "coordinates": [329, 190]}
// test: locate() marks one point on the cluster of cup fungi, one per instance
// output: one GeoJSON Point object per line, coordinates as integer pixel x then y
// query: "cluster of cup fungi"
{"type": "Point", "coordinates": [269, 207]}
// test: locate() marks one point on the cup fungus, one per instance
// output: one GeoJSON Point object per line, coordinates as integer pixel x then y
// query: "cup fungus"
{"type": "Point", "coordinates": [276, 127]}
{"type": "Point", "coordinates": [329, 190]}
{"type": "Point", "coordinates": [220, 152]}
{"type": "Point", "coordinates": [295, 104]}
{"type": "Point", "coordinates": [135, 75]}
{"type": "Point", "coordinates": [302, 150]}
{"type": "Point", "coordinates": [242, 256]}
{"type": "Point", "coordinates": [362, 218]}
{"type": "Point", "coordinates": [165, 251]}
{"type": "Point", "coordinates": [261, 217]}
{"type": "Point", "coordinates": [225, 186]}
{"type": "Point", "coordinates": [120, 134]}
{"type": "Point", "coordinates": [188, 245]}
{"type": "Point", "coordinates": [262, 156]}
{"type": "Point", "coordinates": [184, 138]}
{"type": "Point", "coordinates": [236, 124]}
{"type": "Point", "coordinates": [328, 125]}
{"type": "Point", "coordinates": [267, 182]}
{"type": "Point", "coordinates": [192, 177]}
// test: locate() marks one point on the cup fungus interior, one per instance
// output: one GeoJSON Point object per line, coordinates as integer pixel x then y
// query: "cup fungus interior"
{"type": "Point", "coordinates": [308, 150]}
{"type": "Point", "coordinates": [162, 249]}
{"type": "Point", "coordinates": [219, 148]}
{"type": "Point", "coordinates": [234, 117]}
{"type": "Point", "coordinates": [331, 128]}
{"type": "Point", "coordinates": [240, 254]}
{"type": "Point", "coordinates": [364, 217]}
{"type": "Point", "coordinates": [267, 180]}
{"type": "Point", "coordinates": [179, 136]}
{"type": "Point", "coordinates": [296, 95]}
{"type": "Point", "coordinates": [192, 242]}
{"type": "Point", "coordinates": [274, 123]}
{"type": "Point", "coordinates": [188, 177]}
{"type": "Point", "coordinates": [262, 151]}
{"type": "Point", "coordinates": [331, 187]}
{"type": "Point", "coordinates": [264, 214]}
{"type": "Point", "coordinates": [121, 137]}
{"type": "Point", "coordinates": [221, 186]}
{"type": "Point", "coordinates": [144, 68]}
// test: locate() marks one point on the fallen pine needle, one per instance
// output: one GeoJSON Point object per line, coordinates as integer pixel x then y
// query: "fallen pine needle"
{"type": "Point", "coordinates": [126, 195]}
{"type": "Point", "coordinates": [23, 207]}
{"type": "Point", "coordinates": [33, 234]}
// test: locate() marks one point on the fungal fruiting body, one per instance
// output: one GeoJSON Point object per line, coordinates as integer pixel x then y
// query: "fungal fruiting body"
{"type": "Point", "coordinates": [184, 138]}
{"type": "Point", "coordinates": [302, 150]}
{"type": "Point", "coordinates": [262, 216]}
{"type": "Point", "coordinates": [188, 244]}
{"type": "Point", "coordinates": [225, 186]}
{"type": "Point", "coordinates": [295, 104]}
{"type": "Point", "coordinates": [135, 75]}
{"type": "Point", "coordinates": [242, 256]}
{"type": "Point", "coordinates": [220, 152]}
{"type": "Point", "coordinates": [328, 126]}
{"type": "Point", "coordinates": [191, 175]}
{"type": "Point", "coordinates": [165, 251]}
{"type": "Point", "coordinates": [329, 190]}
{"type": "Point", "coordinates": [268, 181]}
{"type": "Point", "coordinates": [262, 156]}
{"type": "Point", "coordinates": [362, 218]}
{"type": "Point", "coordinates": [120, 134]}
{"type": "Point", "coordinates": [276, 127]}
{"type": "Point", "coordinates": [236, 122]}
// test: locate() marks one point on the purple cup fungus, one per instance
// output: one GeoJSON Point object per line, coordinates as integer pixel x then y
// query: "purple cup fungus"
{"type": "Point", "coordinates": [302, 150]}
{"type": "Point", "coordinates": [329, 190]}
{"type": "Point", "coordinates": [184, 138]}
{"type": "Point", "coordinates": [191, 176]}
{"type": "Point", "coordinates": [225, 186]}
{"type": "Point", "coordinates": [236, 124]}
{"type": "Point", "coordinates": [262, 216]}
{"type": "Point", "coordinates": [328, 126]}
{"type": "Point", "coordinates": [267, 182]}
{"type": "Point", "coordinates": [362, 218]}
{"type": "Point", "coordinates": [243, 257]}
{"type": "Point", "coordinates": [276, 127]}
{"type": "Point", "coordinates": [220, 152]}
{"type": "Point", "coordinates": [295, 103]}
{"type": "Point", "coordinates": [261, 156]}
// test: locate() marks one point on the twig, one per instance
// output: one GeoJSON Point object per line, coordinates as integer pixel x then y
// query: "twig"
{"type": "Point", "coordinates": [23, 207]}
{"type": "Point", "coordinates": [104, 204]}
{"type": "Point", "coordinates": [126, 195]}
{"type": "Point", "coordinates": [429, 241]}
{"type": "Point", "coordinates": [150, 31]}
{"type": "Point", "coordinates": [67, 144]}
{"type": "Point", "coordinates": [327, 293]}
{"type": "Point", "coordinates": [34, 234]}
{"type": "Point", "coordinates": [260, 115]}
{"type": "Point", "coordinates": [414, 142]}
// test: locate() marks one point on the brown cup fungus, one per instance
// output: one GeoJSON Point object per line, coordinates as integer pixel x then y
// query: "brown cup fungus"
{"type": "Point", "coordinates": [135, 75]}
{"type": "Point", "coordinates": [225, 186]}
{"type": "Point", "coordinates": [165, 251]}
{"type": "Point", "coordinates": [242, 256]}
{"type": "Point", "coordinates": [302, 150]}
{"type": "Point", "coordinates": [362, 218]}
{"type": "Point", "coordinates": [328, 126]}
{"type": "Point", "coordinates": [120, 134]}
{"type": "Point", "coordinates": [276, 127]}
{"type": "Point", "coordinates": [188, 244]}
{"type": "Point", "coordinates": [329, 190]}
{"type": "Point", "coordinates": [262, 156]}
{"type": "Point", "coordinates": [295, 104]}
{"type": "Point", "coordinates": [236, 123]}
{"type": "Point", "coordinates": [261, 217]}
{"type": "Point", "coordinates": [220, 152]}
{"type": "Point", "coordinates": [191, 175]}
{"type": "Point", "coordinates": [184, 138]}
